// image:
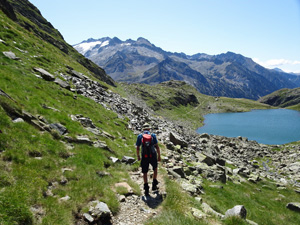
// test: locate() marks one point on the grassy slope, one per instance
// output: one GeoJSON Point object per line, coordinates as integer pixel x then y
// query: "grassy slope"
{"type": "Point", "coordinates": [288, 98]}
{"type": "Point", "coordinates": [294, 107]}
{"type": "Point", "coordinates": [191, 115]}
{"type": "Point", "coordinates": [23, 178]}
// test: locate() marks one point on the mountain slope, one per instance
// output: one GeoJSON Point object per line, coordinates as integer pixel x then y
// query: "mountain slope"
{"type": "Point", "coordinates": [282, 98]}
{"type": "Point", "coordinates": [228, 74]}
{"type": "Point", "coordinates": [30, 18]}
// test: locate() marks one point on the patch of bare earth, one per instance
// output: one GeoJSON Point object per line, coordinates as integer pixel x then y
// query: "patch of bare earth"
{"type": "Point", "coordinates": [136, 209]}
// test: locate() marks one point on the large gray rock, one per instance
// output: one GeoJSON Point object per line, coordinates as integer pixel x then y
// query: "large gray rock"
{"type": "Point", "coordinates": [209, 160]}
{"type": "Point", "coordinates": [61, 129]}
{"type": "Point", "coordinates": [190, 188]}
{"type": "Point", "coordinates": [177, 140]}
{"type": "Point", "coordinates": [114, 159]}
{"type": "Point", "coordinates": [177, 172]}
{"type": "Point", "coordinates": [238, 210]}
{"type": "Point", "coordinates": [77, 74]}
{"type": "Point", "coordinates": [83, 140]}
{"type": "Point", "coordinates": [208, 210]}
{"type": "Point", "coordinates": [294, 167]}
{"type": "Point", "coordinates": [45, 74]}
{"type": "Point", "coordinates": [128, 160]}
{"type": "Point", "coordinates": [198, 214]}
{"type": "Point", "coordinates": [11, 55]}
{"type": "Point", "coordinates": [99, 213]}
{"type": "Point", "coordinates": [62, 83]}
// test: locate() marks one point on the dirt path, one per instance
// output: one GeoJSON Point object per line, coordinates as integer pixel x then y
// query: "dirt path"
{"type": "Point", "coordinates": [135, 210]}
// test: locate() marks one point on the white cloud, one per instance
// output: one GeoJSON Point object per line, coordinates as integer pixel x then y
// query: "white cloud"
{"type": "Point", "coordinates": [284, 64]}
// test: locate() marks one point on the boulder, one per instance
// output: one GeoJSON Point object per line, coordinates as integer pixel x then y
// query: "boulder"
{"type": "Point", "coordinates": [83, 140]}
{"type": "Point", "coordinates": [100, 213]}
{"type": "Point", "coordinates": [88, 217]}
{"type": "Point", "coordinates": [220, 161]}
{"type": "Point", "coordinates": [209, 160]}
{"type": "Point", "coordinates": [45, 74]}
{"type": "Point", "coordinates": [102, 144]}
{"type": "Point", "coordinates": [126, 187]}
{"type": "Point", "coordinates": [254, 178]}
{"type": "Point", "coordinates": [295, 206]}
{"type": "Point", "coordinates": [242, 171]}
{"type": "Point", "coordinates": [61, 129]}
{"type": "Point", "coordinates": [238, 210]}
{"type": "Point", "coordinates": [77, 74]}
{"type": "Point", "coordinates": [205, 135]}
{"type": "Point", "coordinates": [294, 167]}
{"type": "Point", "coordinates": [209, 210]}
{"type": "Point", "coordinates": [114, 159]}
{"type": "Point", "coordinates": [177, 172]}
{"type": "Point", "coordinates": [62, 83]}
{"type": "Point", "coordinates": [64, 199]}
{"type": "Point", "coordinates": [11, 55]}
{"type": "Point", "coordinates": [103, 173]}
{"type": "Point", "coordinates": [190, 188]}
{"type": "Point", "coordinates": [18, 120]}
{"type": "Point", "coordinates": [177, 140]}
{"type": "Point", "coordinates": [85, 121]}
{"type": "Point", "coordinates": [198, 214]}
{"type": "Point", "coordinates": [128, 160]}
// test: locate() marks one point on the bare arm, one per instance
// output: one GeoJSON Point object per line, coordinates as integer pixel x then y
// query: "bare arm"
{"type": "Point", "coordinates": [158, 152]}
{"type": "Point", "coordinates": [138, 153]}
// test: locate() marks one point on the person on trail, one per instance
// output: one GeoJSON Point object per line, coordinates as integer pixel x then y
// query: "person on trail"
{"type": "Point", "coordinates": [149, 155]}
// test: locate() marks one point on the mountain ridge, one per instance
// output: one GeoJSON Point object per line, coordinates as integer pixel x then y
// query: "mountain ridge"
{"type": "Point", "coordinates": [227, 74]}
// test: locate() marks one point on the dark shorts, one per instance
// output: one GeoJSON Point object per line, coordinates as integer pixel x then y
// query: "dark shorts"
{"type": "Point", "coordinates": [146, 162]}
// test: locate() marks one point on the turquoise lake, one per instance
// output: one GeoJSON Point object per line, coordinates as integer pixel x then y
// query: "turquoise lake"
{"type": "Point", "coordinates": [271, 126]}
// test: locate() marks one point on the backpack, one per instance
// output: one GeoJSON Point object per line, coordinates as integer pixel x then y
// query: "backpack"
{"type": "Point", "coordinates": [148, 149]}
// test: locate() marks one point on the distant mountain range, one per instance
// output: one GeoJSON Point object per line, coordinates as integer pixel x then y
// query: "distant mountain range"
{"type": "Point", "coordinates": [229, 74]}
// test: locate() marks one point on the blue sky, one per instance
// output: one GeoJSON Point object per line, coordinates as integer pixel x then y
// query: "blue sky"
{"type": "Point", "coordinates": [267, 31]}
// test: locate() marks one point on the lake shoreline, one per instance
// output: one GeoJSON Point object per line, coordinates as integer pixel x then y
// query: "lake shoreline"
{"type": "Point", "coordinates": [266, 126]}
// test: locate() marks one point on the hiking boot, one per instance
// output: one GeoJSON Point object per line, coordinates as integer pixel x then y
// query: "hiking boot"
{"type": "Point", "coordinates": [154, 185]}
{"type": "Point", "coordinates": [146, 188]}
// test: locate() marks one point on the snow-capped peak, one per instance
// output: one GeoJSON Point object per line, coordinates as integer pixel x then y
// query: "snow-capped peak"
{"type": "Point", "coordinates": [83, 47]}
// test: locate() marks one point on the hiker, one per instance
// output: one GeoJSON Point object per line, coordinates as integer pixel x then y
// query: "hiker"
{"type": "Point", "coordinates": [151, 156]}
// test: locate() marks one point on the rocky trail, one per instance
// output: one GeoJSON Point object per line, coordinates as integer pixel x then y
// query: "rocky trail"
{"type": "Point", "coordinates": [136, 209]}
{"type": "Point", "coordinates": [188, 157]}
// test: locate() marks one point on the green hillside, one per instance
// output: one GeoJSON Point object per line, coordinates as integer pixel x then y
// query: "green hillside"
{"type": "Point", "coordinates": [64, 124]}
{"type": "Point", "coordinates": [285, 98]}
{"type": "Point", "coordinates": [33, 159]}
{"type": "Point", "coordinates": [182, 103]}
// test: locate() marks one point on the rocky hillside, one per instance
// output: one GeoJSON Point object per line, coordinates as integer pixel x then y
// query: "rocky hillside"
{"type": "Point", "coordinates": [282, 98]}
{"type": "Point", "coordinates": [229, 74]}
{"type": "Point", "coordinates": [67, 153]}
{"type": "Point", "coordinates": [30, 18]}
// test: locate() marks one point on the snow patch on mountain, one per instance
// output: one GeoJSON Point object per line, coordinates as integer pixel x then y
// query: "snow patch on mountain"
{"type": "Point", "coordinates": [86, 46]}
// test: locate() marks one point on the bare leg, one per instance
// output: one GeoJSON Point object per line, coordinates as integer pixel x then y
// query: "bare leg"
{"type": "Point", "coordinates": [145, 175]}
{"type": "Point", "coordinates": [155, 174]}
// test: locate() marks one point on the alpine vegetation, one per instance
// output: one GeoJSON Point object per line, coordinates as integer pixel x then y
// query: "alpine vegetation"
{"type": "Point", "coordinates": [68, 143]}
